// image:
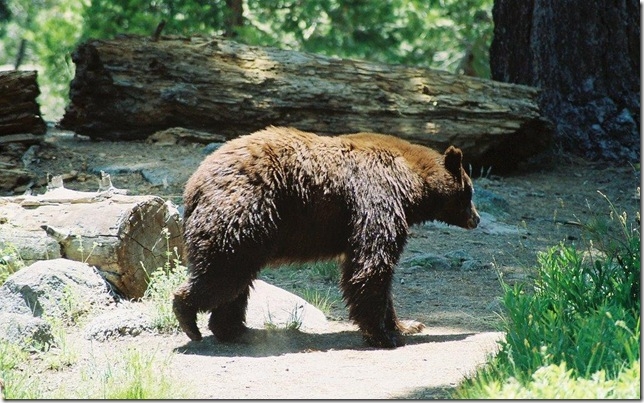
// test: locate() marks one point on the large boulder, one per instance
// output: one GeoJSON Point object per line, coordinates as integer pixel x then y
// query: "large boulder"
{"type": "Point", "coordinates": [268, 304]}
{"type": "Point", "coordinates": [54, 288]}
{"type": "Point", "coordinates": [57, 288]}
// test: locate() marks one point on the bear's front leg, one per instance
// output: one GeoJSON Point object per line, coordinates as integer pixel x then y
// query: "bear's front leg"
{"type": "Point", "coordinates": [368, 296]}
{"type": "Point", "coordinates": [185, 311]}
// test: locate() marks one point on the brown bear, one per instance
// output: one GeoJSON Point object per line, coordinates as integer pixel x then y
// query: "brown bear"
{"type": "Point", "coordinates": [281, 195]}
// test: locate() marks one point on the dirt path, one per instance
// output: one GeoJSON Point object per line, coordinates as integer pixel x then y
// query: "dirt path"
{"type": "Point", "coordinates": [536, 209]}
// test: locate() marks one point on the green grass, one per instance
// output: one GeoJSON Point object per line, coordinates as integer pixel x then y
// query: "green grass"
{"type": "Point", "coordinates": [324, 301]}
{"type": "Point", "coordinates": [131, 375]}
{"type": "Point", "coordinates": [294, 321]}
{"type": "Point", "coordinates": [10, 261]}
{"type": "Point", "coordinates": [579, 322]}
{"type": "Point", "coordinates": [15, 374]}
{"type": "Point", "coordinates": [162, 283]}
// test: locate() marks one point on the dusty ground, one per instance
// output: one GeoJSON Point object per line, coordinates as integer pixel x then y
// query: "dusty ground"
{"type": "Point", "coordinates": [540, 205]}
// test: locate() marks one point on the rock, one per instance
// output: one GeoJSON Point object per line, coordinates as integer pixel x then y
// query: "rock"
{"type": "Point", "coordinates": [120, 169]}
{"type": "Point", "coordinates": [211, 147]}
{"type": "Point", "coordinates": [158, 177]}
{"type": "Point", "coordinates": [24, 330]}
{"type": "Point", "coordinates": [473, 265]}
{"type": "Point", "coordinates": [270, 304]}
{"type": "Point", "coordinates": [56, 288]}
{"type": "Point", "coordinates": [266, 304]}
{"type": "Point", "coordinates": [457, 257]}
{"type": "Point", "coordinates": [453, 260]}
{"type": "Point", "coordinates": [489, 225]}
{"type": "Point", "coordinates": [490, 202]}
{"type": "Point", "coordinates": [428, 261]}
{"type": "Point", "coordinates": [128, 319]}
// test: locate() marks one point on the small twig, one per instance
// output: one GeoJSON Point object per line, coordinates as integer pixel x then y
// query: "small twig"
{"type": "Point", "coordinates": [157, 32]}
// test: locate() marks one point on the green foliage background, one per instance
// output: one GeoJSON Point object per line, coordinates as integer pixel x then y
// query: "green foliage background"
{"type": "Point", "coordinates": [441, 34]}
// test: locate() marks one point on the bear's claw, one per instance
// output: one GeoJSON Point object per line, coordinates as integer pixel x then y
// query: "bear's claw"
{"type": "Point", "coordinates": [410, 326]}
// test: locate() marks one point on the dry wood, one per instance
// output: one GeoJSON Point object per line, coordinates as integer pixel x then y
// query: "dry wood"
{"type": "Point", "coordinates": [19, 111]}
{"type": "Point", "coordinates": [119, 234]}
{"type": "Point", "coordinates": [131, 87]}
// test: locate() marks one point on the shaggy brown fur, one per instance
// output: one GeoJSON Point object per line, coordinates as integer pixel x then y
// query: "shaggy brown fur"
{"type": "Point", "coordinates": [281, 195]}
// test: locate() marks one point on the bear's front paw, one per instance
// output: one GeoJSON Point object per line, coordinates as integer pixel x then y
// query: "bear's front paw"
{"type": "Point", "coordinates": [410, 326]}
{"type": "Point", "coordinates": [384, 339]}
{"type": "Point", "coordinates": [186, 315]}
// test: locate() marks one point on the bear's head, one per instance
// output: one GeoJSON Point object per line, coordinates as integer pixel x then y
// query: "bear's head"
{"type": "Point", "coordinates": [457, 207]}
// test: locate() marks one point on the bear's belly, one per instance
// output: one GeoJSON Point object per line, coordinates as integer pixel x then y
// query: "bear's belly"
{"type": "Point", "coordinates": [308, 234]}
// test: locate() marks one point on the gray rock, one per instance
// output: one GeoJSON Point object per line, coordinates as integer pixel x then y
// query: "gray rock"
{"type": "Point", "coordinates": [490, 202]}
{"type": "Point", "coordinates": [266, 304]}
{"type": "Point", "coordinates": [489, 225]}
{"type": "Point", "coordinates": [211, 147]}
{"type": "Point", "coordinates": [428, 261]}
{"type": "Point", "coordinates": [472, 265]}
{"type": "Point", "coordinates": [24, 330]}
{"type": "Point", "coordinates": [120, 169]}
{"type": "Point", "coordinates": [128, 319]}
{"type": "Point", "coordinates": [457, 257]}
{"type": "Point", "coordinates": [158, 177]}
{"type": "Point", "coordinates": [56, 288]}
{"type": "Point", "coordinates": [270, 304]}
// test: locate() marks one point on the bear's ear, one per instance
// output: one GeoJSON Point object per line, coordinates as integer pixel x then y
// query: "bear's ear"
{"type": "Point", "coordinates": [453, 161]}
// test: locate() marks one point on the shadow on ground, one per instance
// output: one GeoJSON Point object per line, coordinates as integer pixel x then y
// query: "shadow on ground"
{"type": "Point", "coordinates": [437, 393]}
{"type": "Point", "coordinates": [266, 343]}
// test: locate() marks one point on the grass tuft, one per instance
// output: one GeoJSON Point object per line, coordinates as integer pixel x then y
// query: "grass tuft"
{"type": "Point", "coordinates": [10, 262]}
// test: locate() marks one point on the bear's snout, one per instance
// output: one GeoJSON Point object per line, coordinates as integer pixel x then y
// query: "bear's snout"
{"type": "Point", "coordinates": [474, 219]}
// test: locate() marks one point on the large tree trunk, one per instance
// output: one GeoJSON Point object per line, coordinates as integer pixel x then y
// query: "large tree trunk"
{"type": "Point", "coordinates": [19, 111]}
{"type": "Point", "coordinates": [20, 125]}
{"type": "Point", "coordinates": [123, 236]}
{"type": "Point", "coordinates": [130, 87]}
{"type": "Point", "coordinates": [586, 59]}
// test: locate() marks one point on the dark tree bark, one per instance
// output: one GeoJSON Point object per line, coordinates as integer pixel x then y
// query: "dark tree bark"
{"type": "Point", "coordinates": [19, 111]}
{"type": "Point", "coordinates": [131, 87]}
{"type": "Point", "coordinates": [234, 17]}
{"type": "Point", "coordinates": [585, 56]}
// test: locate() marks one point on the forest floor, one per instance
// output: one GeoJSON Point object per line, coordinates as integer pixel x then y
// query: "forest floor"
{"type": "Point", "coordinates": [537, 207]}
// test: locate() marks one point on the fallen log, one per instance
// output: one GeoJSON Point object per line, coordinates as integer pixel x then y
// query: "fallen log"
{"type": "Point", "coordinates": [131, 87]}
{"type": "Point", "coordinates": [19, 111]}
{"type": "Point", "coordinates": [125, 237]}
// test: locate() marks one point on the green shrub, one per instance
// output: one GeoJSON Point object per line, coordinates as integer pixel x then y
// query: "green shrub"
{"type": "Point", "coordinates": [575, 313]}
{"type": "Point", "coordinates": [557, 382]}
{"type": "Point", "coordinates": [582, 315]}
{"type": "Point", "coordinates": [161, 286]}
{"type": "Point", "coordinates": [162, 283]}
